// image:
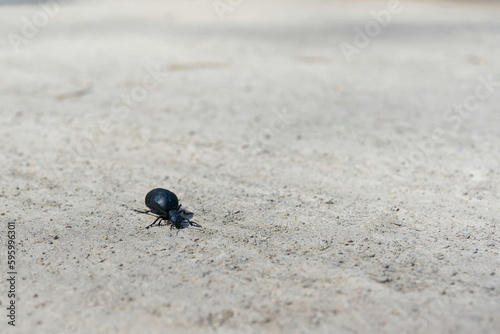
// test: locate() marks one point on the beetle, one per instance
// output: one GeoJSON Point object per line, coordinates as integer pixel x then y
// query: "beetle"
{"type": "Point", "coordinates": [164, 204]}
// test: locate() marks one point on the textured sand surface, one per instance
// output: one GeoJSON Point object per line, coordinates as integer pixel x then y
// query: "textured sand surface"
{"type": "Point", "coordinates": [335, 196]}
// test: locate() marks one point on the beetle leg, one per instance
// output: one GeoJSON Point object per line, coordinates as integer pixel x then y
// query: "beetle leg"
{"type": "Point", "coordinates": [153, 222]}
{"type": "Point", "coordinates": [192, 223]}
{"type": "Point", "coordinates": [142, 211]}
{"type": "Point", "coordinates": [195, 224]}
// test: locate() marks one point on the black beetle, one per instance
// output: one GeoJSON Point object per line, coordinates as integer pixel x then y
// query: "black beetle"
{"type": "Point", "coordinates": [165, 205]}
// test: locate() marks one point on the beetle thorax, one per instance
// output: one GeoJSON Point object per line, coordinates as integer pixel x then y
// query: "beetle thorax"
{"type": "Point", "coordinates": [175, 217]}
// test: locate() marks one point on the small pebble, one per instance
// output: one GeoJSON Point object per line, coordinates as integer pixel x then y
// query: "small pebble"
{"type": "Point", "coordinates": [383, 279]}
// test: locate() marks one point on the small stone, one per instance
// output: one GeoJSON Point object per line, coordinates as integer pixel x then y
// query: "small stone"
{"type": "Point", "coordinates": [383, 279]}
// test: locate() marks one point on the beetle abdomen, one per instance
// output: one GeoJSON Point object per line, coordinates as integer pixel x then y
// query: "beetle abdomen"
{"type": "Point", "coordinates": [161, 200]}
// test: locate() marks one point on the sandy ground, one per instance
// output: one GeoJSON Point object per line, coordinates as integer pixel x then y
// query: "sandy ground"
{"type": "Point", "coordinates": [335, 196]}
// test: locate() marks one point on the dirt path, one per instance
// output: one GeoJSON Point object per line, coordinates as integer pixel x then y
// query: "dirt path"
{"type": "Point", "coordinates": [347, 181]}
